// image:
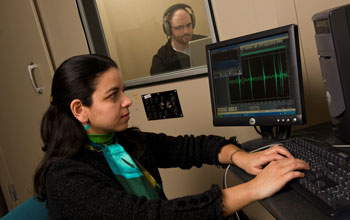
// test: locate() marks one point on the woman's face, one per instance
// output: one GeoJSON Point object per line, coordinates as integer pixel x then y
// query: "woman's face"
{"type": "Point", "coordinates": [109, 110]}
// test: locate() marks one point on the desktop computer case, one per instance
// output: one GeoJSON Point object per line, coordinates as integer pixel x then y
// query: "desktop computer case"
{"type": "Point", "coordinates": [333, 45]}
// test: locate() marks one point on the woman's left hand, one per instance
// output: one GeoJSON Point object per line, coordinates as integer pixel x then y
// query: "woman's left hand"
{"type": "Point", "coordinates": [253, 163]}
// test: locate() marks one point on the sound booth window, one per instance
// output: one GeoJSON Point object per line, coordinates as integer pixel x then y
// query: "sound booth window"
{"type": "Point", "coordinates": [143, 37]}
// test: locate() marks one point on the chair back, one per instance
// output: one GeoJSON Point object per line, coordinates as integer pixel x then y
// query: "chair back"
{"type": "Point", "coordinates": [31, 209]}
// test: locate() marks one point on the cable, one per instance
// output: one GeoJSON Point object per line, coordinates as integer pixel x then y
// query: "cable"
{"type": "Point", "coordinates": [225, 176]}
{"type": "Point", "coordinates": [262, 133]}
{"type": "Point", "coordinates": [257, 131]}
{"type": "Point", "coordinates": [262, 148]}
{"type": "Point", "coordinates": [225, 187]}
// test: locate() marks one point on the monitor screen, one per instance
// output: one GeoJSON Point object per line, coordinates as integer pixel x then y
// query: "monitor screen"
{"type": "Point", "coordinates": [256, 79]}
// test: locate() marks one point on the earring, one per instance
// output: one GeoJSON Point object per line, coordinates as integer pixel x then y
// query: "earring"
{"type": "Point", "coordinates": [86, 127]}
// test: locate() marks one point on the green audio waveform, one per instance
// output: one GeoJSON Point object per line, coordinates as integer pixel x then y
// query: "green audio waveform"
{"type": "Point", "coordinates": [277, 74]}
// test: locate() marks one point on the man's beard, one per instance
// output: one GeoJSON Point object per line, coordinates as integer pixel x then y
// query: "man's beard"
{"type": "Point", "coordinates": [188, 36]}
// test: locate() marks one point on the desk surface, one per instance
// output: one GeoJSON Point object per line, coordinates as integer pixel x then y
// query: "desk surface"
{"type": "Point", "coordinates": [322, 132]}
{"type": "Point", "coordinates": [288, 204]}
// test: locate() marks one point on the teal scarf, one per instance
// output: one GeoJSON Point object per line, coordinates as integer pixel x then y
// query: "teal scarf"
{"type": "Point", "coordinates": [130, 174]}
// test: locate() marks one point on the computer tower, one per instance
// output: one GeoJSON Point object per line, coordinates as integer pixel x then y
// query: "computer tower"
{"type": "Point", "coordinates": [332, 34]}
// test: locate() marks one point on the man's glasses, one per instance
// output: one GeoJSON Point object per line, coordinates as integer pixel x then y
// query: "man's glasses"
{"type": "Point", "coordinates": [182, 27]}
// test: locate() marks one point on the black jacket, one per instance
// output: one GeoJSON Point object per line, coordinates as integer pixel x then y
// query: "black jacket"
{"type": "Point", "coordinates": [167, 59]}
{"type": "Point", "coordinates": [85, 187]}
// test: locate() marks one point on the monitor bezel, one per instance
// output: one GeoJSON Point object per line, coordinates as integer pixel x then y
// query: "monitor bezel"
{"type": "Point", "coordinates": [298, 91]}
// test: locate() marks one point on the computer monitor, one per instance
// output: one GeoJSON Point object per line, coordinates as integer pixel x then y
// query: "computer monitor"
{"type": "Point", "coordinates": [255, 80]}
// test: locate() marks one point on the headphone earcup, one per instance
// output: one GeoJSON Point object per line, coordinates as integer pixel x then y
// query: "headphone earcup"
{"type": "Point", "coordinates": [193, 19]}
{"type": "Point", "coordinates": [166, 27]}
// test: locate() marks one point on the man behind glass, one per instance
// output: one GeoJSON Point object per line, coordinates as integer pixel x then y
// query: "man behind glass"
{"type": "Point", "coordinates": [178, 24]}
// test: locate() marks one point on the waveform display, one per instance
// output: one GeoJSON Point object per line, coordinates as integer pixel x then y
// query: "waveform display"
{"type": "Point", "coordinates": [264, 76]}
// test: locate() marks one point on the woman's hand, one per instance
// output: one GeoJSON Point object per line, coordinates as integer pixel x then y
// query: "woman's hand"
{"type": "Point", "coordinates": [269, 180]}
{"type": "Point", "coordinates": [253, 163]}
{"type": "Point", "coordinates": [275, 175]}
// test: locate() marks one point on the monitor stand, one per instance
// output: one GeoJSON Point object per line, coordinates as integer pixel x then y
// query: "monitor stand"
{"type": "Point", "coordinates": [269, 135]}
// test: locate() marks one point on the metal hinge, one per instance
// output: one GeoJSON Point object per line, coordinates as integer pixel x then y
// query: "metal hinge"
{"type": "Point", "coordinates": [12, 191]}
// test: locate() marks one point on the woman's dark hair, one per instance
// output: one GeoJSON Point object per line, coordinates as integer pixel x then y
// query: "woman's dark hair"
{"type": "Point", "coordinates": [62, 134]}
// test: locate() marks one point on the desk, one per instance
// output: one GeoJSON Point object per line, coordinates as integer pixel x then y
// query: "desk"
{"type": "Point", "coordinates": [322, 132]}
{"type": "Point", "coordinates": [287, 204]}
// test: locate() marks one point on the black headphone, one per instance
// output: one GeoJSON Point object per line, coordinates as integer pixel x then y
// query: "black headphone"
{"type": "Point", "coordinates": [170, 11]}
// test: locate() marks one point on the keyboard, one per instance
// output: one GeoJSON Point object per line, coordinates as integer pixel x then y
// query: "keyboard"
{"type": "Point", "coordinates": [327, 183]}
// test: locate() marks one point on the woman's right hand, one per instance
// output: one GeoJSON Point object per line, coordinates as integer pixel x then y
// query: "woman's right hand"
{"type": "Point", "coordinates": [275, 175]}
{"type": "Point", "coordinates": [269, 180]}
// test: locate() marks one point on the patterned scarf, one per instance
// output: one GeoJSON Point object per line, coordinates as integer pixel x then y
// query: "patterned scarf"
{"type": "Point", "coordinates": [134, 178]}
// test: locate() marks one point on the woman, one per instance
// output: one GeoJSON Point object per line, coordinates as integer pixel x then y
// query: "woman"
{"type": "Point", "coordinates": [96, 168]}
